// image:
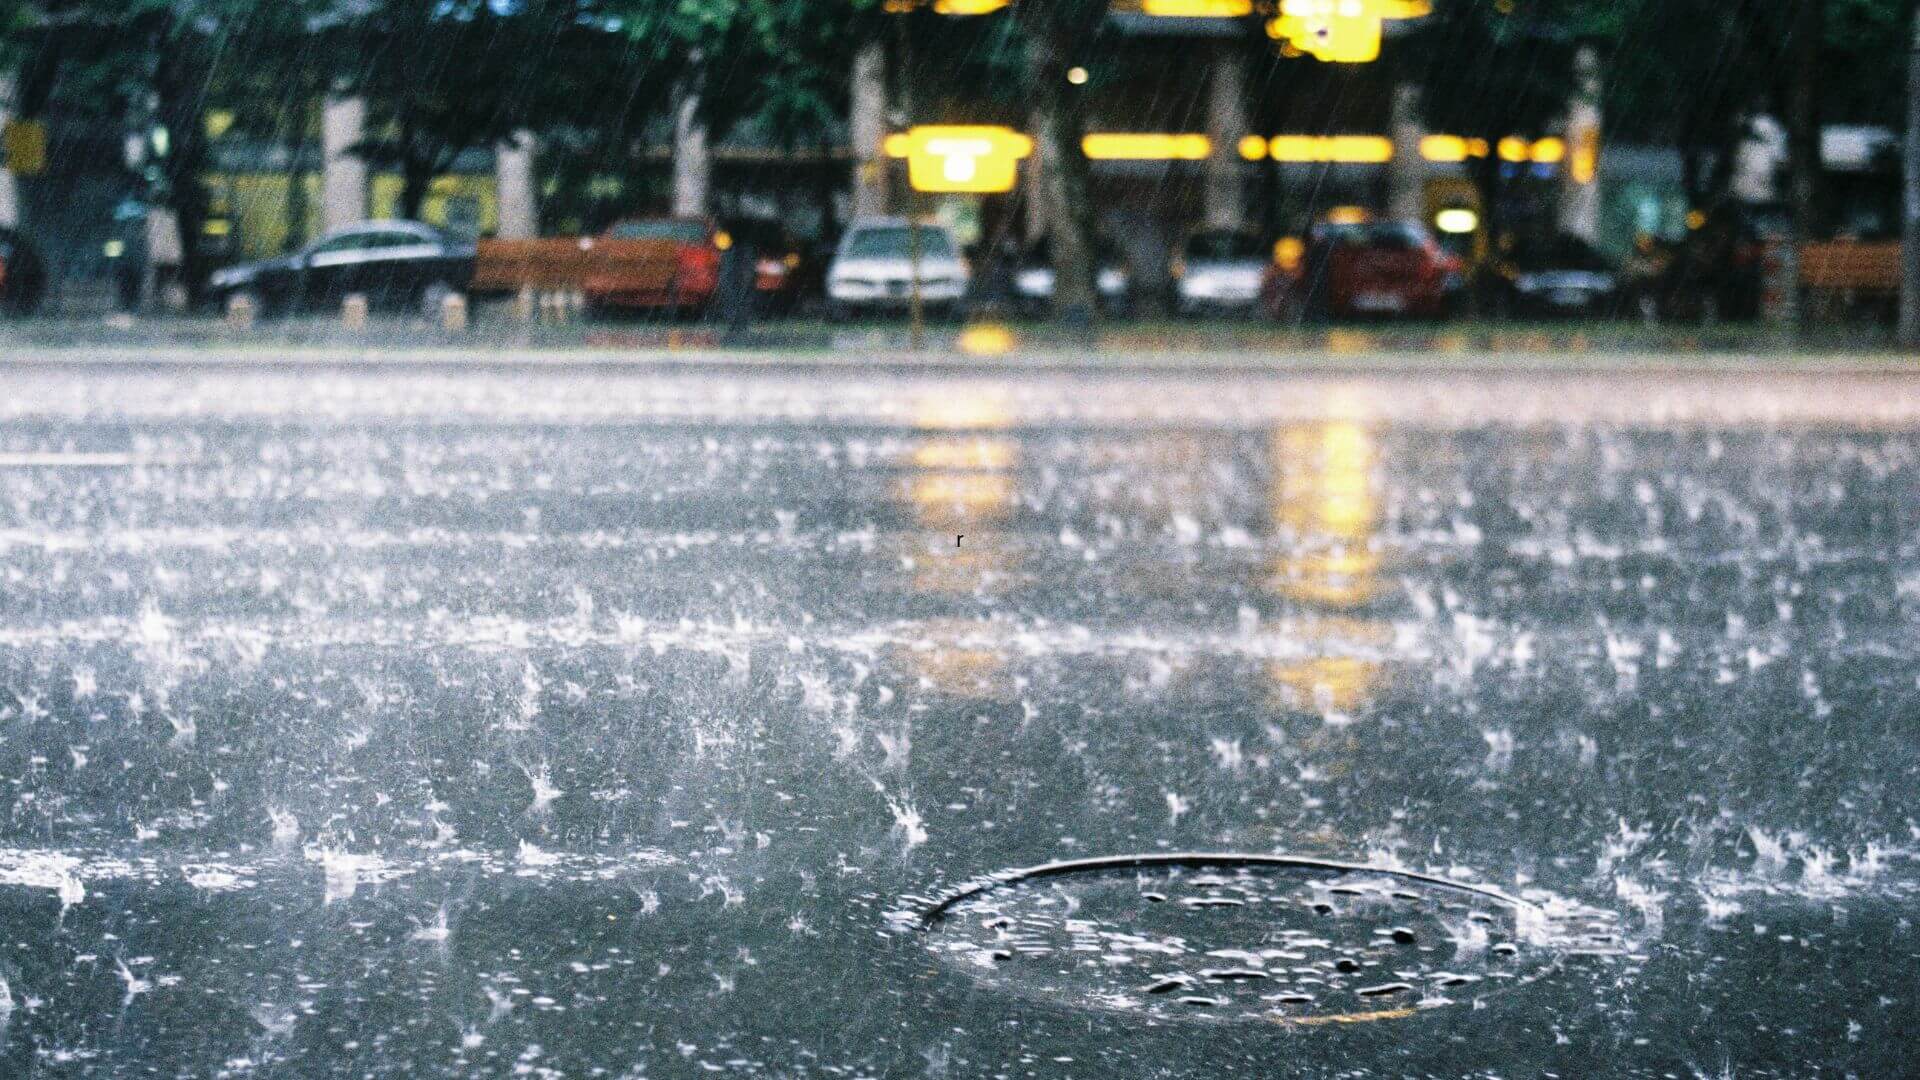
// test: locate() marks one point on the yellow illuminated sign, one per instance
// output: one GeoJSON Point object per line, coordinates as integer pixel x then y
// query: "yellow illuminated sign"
{"type": "Point", "coordinates": [971, 158]}
{"type": "Point", "coordinates": [25, 142]}
{"type": "Point", "coordinates": [1142, 146]}
{"type": "Point", "coordinates": [1340, 31]}
{"type": "Point", "coordinates": [1355, 149]}
{"type": "Point", "coordinates": [1198, 9]}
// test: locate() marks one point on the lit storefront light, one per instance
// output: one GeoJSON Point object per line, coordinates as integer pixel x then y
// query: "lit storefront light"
{"type": "Point", "coordinates": [1340, 31]}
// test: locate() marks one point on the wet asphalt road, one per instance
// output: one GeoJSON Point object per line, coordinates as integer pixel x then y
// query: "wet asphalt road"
{"type": "Point", "coordinates": [594, 722]}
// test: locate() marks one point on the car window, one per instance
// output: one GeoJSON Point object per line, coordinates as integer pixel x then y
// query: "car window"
{"type": "Point", "coordinates": [1395, 236]}
{"type": "Point", "coordinates": [1225, 245]}
{"type": "Point", "coordinates": [895, 242]}
{"type": "Point", "coordinates": [683, 230]}
{"type": "Point", "coordinates": [353, 241]}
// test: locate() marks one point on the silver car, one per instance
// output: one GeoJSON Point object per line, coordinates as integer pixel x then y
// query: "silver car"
{"type": "Point", "coordinates": [1219, 270]}
{"type": "Point", "coordinates": [872, 269]}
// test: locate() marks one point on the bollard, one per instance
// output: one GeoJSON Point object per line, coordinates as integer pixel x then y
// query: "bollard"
{"type": "Point", "coordinates": [353, 311]}
{"type": "Point", "coordinates": [524, 304]}
{"type": "Point", "coordinates": [453, 312]}
{"type": "Point", "coordinates": [240, 311]}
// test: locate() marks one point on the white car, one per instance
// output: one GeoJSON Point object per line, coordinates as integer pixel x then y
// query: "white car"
{"type": "Point", "coordinates": [1113, 282]}
{"type": "Point", "coordinates": [872, 269]}
{"type": "Point", "coordinates": [1219, 270]}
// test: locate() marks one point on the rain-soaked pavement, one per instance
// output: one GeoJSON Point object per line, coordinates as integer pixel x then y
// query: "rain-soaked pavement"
{"type": "Point", "coordinates": [622, 723]}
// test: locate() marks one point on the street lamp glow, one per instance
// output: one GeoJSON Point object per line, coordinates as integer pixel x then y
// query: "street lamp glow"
{"type": "Point", "coordinates": [1456, 221]}
{"type": "Point", "coordinates": [1077, 75]}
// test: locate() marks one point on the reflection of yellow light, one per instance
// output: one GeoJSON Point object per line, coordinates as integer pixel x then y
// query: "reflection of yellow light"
{"type": "Point", "coordinates": [1341, 683]}
{"type": "Point", "coordinates": [1253, 147]}
{"type": "Point", "coordinates": [1695, 219]}
{"type": "Point", "coordinates": [218, 122]}
{"type": "Point", "coordinates": [986, 339]}
{"type": "Point", "coordinates": [1144, 146]}
{"type": "Point", "coordinates": [968, 7]}
{"type": "Point", "coordinates": [957, 656]}
{"type": "Point", "coordinates": [1198, 9]}
{"type": "Point", "coordinates": [1077, 75]}
{"type": "Point", "coordinates": [1549, 151]}
{"type": "Point", "coordinates": [723, 240]}
{"type": "Point", "coordinates": [216, 227]}
{"type": "Point", "coordinates": [1323, 497]}
{"type": "Point", "coordinates": [1349, 215]}
{"type": "Point", "coordinates": [977, 158]}
{"type": "Point", "coordinates": [953, 498]}
{"type": "Point", "coordinates": [1341, 580]}
{"type": "Point", "coordinates": [1514, 149]}
{"type": "Point", "coordinates": [965, 411]}
{"type": "Point", "coordinates": [1456, 221]}
{"type": "Point", "coordinates": [962, 453]}
{"type": "Point", "coordinates": [1356, 149]}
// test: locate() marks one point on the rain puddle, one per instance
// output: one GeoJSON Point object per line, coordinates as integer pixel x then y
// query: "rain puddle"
{"type": "Point", "coordinates": [1253, 938]}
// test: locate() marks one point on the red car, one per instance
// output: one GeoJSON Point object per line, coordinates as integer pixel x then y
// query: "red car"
{"type": "Point", "coordinates": [685, 281]}
{"type": "Point", "coordinates": [1374, 269]}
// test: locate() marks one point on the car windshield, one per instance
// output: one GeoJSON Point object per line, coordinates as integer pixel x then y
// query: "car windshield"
{"type": "Point", "coordinates": [1393, 236]}
{"type": "Point", "coordinates": [684, 230]}
{"type": "Point", "coordinates": [1225, 246]}
{"type": "Point", "coordinates": [1560, 253]}
{"type": "Point", "coordinates": [1105, 252]}
{"type": "Point", "coordinates": [896, 242]}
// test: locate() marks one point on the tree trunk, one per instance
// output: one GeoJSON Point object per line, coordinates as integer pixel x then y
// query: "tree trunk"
{"type": "Point", "coordinates": [1060, 114]}
{"type": "Point", "coordinates": [416, 171]}
{"type": "Point", "coordinates": [1910, 204]}
{"type": "Point", "coordinates": [1803, 136]}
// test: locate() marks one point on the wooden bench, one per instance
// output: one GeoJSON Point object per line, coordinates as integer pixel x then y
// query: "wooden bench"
{"type": "Point", "coordinates": [1844, 276]}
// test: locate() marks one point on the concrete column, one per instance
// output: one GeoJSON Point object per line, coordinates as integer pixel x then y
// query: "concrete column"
{"type": "Point", "coordinates": [514, 189]}
{"type": "Point", "coordinates": [1227, 124]}
{"type": "Point", "coordinates": [867, 130]}
{"type": "Point", "coordinates": [1033, 177]}
{"type": "Point", "coordinates": [692, 163]}
{"type": "Point", "coordinates": [343, 174]}
{"type": "Point", "coordinates": [9, 193]}
{"type": "Point", "coordinates": [1580, 173]}
{"type": "Point", "coordinates": [1407, 172]}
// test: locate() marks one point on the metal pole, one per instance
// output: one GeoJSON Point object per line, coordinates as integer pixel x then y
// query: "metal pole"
{"type": "Point", "coordinates": [1910, 205]}
{"type": "Point", "coordinates": [916, 314]}
{"type": "Point", "coordinates": [916, 311]}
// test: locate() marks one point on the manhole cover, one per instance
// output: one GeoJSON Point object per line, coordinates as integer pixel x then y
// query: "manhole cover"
{"type": "Point", "coordinates": [1250, 937]}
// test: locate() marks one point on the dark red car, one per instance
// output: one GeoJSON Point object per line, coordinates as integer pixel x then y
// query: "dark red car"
{"type": "Point", "coordinates": [686, 280]}
{"type": "Point", "coordinates": [1368, 270]}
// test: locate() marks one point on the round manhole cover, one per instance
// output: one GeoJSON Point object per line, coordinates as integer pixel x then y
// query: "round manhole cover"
{"type": "Point", "coordinates": [1250, 937]}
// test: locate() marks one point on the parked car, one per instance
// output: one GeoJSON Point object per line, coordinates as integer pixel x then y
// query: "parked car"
{"type": "Point", "coordinates": [23, 277]}
{"type": "Point", "coordinates": [1112, 280]}
{"type": "Point", "coordinates": [872, 269]}
{"type": "Point", "coordinates": [780, 265]}
{"type": "Point", "coordinates": [1370, 269]}
{"type": "Point", "coordinates": [685, 278]}
{"type": "Point", "coordinates": [1718, 271]}
{"type": "Point", "coordinates": [1551, 276]}
{"type": "Point", "coordinates": [1219, 270]}
{"type": "Point", "coordinates": [392, 263]}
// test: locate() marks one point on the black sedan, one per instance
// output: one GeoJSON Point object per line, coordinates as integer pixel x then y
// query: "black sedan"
{"type": "Point", "coordinates": [1553, 276]}
{"type": "Point", "coordinates": [401, 264]}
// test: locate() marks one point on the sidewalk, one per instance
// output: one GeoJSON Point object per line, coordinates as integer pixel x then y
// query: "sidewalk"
{"type": "Point", "coordinates": [1224, 345]}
